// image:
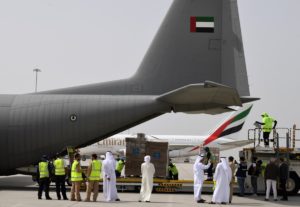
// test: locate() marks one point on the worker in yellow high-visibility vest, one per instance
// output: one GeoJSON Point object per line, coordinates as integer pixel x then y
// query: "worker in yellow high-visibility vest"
{"type": "Point", "coordinates": [93, 176]}
{"type": "Point", "coordinates": [267, 126]}
{"type": "Point", "coordinates": [173, 171]}
{"type": "Point", "coordinates": [60, 169]}
{"type": "Point", "coordinates": [119, 167]}
{"type": "Point", "coordinates": [76, 178]}
{"type": "Point", "coordinates": [43, 177]}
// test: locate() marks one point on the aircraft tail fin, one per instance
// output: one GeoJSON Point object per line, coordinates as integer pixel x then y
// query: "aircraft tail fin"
{"type": "Point", "coordinates": [198, 41]}
{"type": "Point", "coordinates": [231, 124]}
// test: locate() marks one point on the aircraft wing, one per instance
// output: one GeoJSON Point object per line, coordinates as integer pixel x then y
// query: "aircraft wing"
{"type": "Point", "coordinates": [179, 146]}
{"type": "Point", "coordinates": [237, 143]}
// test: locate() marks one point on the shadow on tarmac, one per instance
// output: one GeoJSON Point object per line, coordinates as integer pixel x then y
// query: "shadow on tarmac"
{"type": "Point", "coordinates": [17, 182]}
{"type": "Point", "coordinates": [293, 201]}
{"type": "Point", "coordinates": [25, 183]}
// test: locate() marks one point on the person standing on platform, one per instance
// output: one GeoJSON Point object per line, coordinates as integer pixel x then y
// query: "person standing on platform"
{"type": "Point", "coordinates": [60, 169]}
{"type": "Point", "coordinates": [93, 177]}
{"type": "Point", "coordinates": [109, 178]}
{"type": "Point", "coordinates": [76, 178]}
{"type": "Point", "coordinates": [222, 177]}
{"type": "Point", "coordinates": [232, 166]}
{"type": "Point", "coordinates": [43, 176]}
{"type": "Point", "coordinates": [283, 176]}
{"type": "Point", "coordinates": [199, 178]}
{"type": "Point", "coordinates": [148, 170]}
{"type": "Point", "coordinates": [267, 126]}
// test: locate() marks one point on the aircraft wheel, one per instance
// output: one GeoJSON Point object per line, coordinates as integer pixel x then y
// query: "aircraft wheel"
{"type": "Point", "coordinates": [293, 184]}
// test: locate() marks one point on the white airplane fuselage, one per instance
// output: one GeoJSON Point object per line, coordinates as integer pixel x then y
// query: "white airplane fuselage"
{"type": "Point", "coordinates": [178, 145]}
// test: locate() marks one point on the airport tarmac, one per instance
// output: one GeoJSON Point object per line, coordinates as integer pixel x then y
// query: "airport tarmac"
{"type": "Point", "coordinates": [21, 191]}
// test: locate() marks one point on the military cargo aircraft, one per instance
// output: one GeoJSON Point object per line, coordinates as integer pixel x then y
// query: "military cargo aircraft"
{"type": "Point", "coordinates": [195, 64]}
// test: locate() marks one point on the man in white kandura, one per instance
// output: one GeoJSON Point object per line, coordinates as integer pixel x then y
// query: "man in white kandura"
{"type": "Point", "coordinates": [222, 178]}
{"type": "Point", "coordinates": [148, 171]}
{"type": "Point", "coordinates": [199, 168]}
{"type": "Point", "coordinates": [109, 178]}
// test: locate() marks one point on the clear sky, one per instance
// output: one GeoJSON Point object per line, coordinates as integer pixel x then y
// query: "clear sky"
{"type": "Point", "coordinates": [77, 42]}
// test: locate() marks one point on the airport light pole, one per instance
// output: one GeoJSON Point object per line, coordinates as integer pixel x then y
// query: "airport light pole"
{"type": "Point", "coordinates": [36, 77]}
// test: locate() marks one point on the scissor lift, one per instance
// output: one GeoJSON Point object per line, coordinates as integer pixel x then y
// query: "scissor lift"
{"type": "Point", "coordinates": [284, 145]}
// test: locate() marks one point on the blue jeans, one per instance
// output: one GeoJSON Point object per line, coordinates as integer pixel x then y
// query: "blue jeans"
{"type": "Point", "coordinates": [241, 182]}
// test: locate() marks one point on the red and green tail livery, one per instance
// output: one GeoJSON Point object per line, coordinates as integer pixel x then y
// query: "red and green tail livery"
{"type": "Point", "coordinates": [231, 125]}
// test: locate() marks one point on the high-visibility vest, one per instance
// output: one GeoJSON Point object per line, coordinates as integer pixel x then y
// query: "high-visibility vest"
{"type": "Point", "coordinates": [268, 122]}
{"type": "Point", "coordinates": [96, 170]}
{"type": "Point", "coordinates": [75, 176]}
{"type": "Point", "coordinates": [43, 169]}
{"type": "Point", "coordinates": [59, 166]}
{"type": "Point", "coordinates": [173, 169]}
{"type": "Point", "coordinates": [263, 168]}
{"type": "Point", "coordinates": [120, 165]}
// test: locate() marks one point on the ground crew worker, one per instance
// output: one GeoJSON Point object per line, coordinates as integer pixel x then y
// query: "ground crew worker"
{"type": "Point", "coordinates": [267, 123]}
{"type": "Point", "coordinates": [43, 176]}
{"type": "Point", "coordinates": [283, 176]}
{"type": "Point", "coordinates": [211, 157]}
{"type": "Point", "coordinates": [119, 167]}
{"type": "Point", "coordinates": [76, 178]}
{"type": "Point", "coordinates": [60, 169]}
{"type": "Point", "coordinates": [254, 171]}
{"type": "Point", "coordinates": [241, 175]}
{"type": "Point", "coordinates": [93, 176]}
{"type": "Point", "coordinates": [173, 171]}
{"type": "Point", "coordinates": [232, 166]}
{"type": "Point", "coordinates": [271, 177]}
{"type": "Point", "coordinates": [263, 168]}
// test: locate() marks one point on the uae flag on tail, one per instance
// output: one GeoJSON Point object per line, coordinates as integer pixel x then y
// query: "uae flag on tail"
{"type": "Point", "coordinates": [202, 24]}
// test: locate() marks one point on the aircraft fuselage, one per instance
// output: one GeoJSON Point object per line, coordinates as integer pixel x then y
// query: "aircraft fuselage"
{"type": "Point", "coordinates": [34, 125]}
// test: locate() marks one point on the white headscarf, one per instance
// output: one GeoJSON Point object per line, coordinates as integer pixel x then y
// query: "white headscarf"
{"type": "Point", "coordinates": [226, 168]}
{"type": "Point", "coordinates": [109, 158]}
{"type": "Point", "coordinates": [198, 159]}
{"type": "Point", "coordinates": [224, 162]}
{"type": "Point", "coordinates": [147, 159]}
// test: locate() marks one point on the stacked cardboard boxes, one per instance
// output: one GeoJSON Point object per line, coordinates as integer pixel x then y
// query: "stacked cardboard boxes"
{"type": "Point", "coordinates": [138, 148]}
